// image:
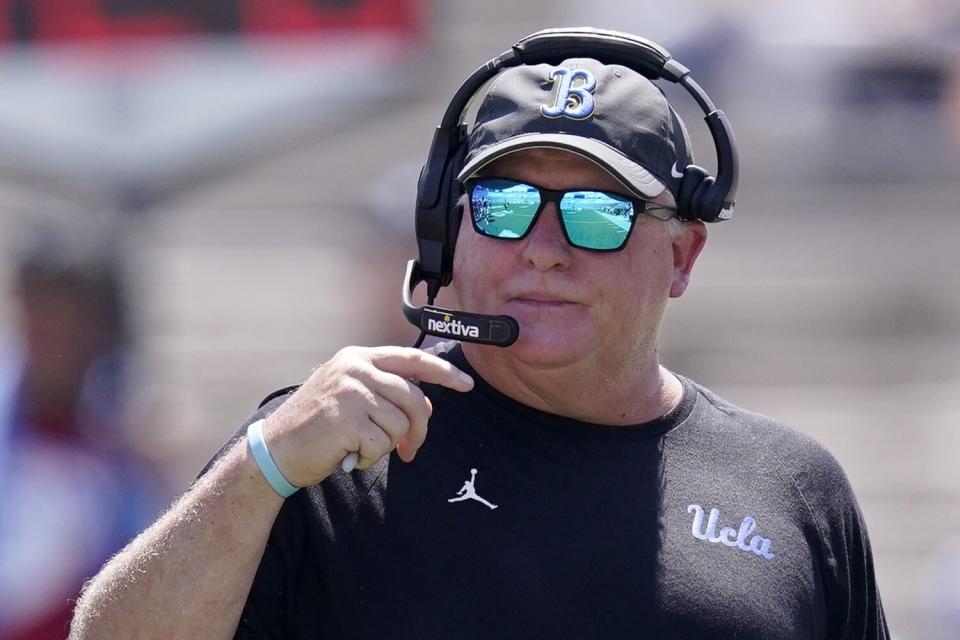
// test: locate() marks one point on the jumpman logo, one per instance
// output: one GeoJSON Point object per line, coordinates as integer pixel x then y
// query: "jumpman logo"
{"type": "Point", "coordinates": [467, 492]}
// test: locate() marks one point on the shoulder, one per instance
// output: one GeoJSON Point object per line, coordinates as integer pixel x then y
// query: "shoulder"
{"type": "Point", "coordinates": [795, 468]}
{"type": "Point", "coordinates": [814, 472]}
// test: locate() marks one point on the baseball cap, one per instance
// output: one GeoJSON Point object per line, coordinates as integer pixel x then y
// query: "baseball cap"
{"type": "Point", "coordinates": [609, 114]}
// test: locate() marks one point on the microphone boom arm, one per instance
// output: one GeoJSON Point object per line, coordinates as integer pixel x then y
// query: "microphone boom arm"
{"type": "Point", "coordinates": [500, 331]}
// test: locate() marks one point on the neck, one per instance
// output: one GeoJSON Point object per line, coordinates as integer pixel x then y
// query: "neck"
{"type": "Point", "coordinates": [633, 391]}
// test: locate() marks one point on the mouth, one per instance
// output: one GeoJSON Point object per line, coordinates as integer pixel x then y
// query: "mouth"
{"type": "Point", "coordinates": [542, 302]}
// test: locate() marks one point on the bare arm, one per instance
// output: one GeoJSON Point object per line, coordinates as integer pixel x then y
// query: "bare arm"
{"type": "Point", "coordinates": [189, 574]}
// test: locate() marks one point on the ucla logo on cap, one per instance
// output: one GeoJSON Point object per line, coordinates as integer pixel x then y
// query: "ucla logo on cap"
{"type": "Point", "coordinates": [571, 100]}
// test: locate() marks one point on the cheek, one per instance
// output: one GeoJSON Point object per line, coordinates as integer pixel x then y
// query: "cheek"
{"type": "Point", "coordinates": [461, 257]}
{"type": "Point", "coordinates": [468, 267]}
{"type": "Point", "coordinates": [480, 266]}
{"type": "Point", "coordinates": [650, 271]}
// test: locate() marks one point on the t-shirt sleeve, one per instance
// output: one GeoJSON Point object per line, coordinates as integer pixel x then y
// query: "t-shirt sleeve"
{"type": "Point", "coordinates": [261, 617]}
{"type": "Point", "coordinates": [263, 614]}
{"type": "Point", "coordinates": [854, 609]}
{"type": "Point", "coordinates": [267, 613]}
{"type": "Point", "coordinates": [287, 598]}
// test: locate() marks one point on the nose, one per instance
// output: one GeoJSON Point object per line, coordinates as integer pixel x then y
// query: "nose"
{"type": "Point", "coordinates": [545, 246]}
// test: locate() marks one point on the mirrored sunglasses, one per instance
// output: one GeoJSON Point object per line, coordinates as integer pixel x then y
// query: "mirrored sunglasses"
{"type": "Point", "coordinates": [590, 219]}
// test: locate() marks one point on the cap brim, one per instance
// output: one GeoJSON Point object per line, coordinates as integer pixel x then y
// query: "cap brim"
{"type": "Point", "coordinates": [633, 176]}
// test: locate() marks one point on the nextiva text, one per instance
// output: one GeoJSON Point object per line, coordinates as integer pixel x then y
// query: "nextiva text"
{"type": "Point", "coordinates": [454, 327]}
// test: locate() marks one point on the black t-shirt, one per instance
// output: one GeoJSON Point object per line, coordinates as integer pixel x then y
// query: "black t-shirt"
{"type": "Point", "coordinates": [514, 523]}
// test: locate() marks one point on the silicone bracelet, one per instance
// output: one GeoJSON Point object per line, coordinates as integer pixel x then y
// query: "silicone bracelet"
{"type": "Point", "coordinates": [258, 446]}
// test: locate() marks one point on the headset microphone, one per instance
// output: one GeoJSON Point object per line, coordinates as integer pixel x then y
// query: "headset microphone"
{"type": "Point", "coordinates": [501, 331]}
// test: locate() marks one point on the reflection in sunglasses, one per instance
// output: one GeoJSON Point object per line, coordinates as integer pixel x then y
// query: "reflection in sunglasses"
{"type": "Point", "coordinates": [590, 219]}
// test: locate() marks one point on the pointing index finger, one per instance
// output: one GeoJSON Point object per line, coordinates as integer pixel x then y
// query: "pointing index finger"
{"type": "Point", "coordinates": [413, 363]}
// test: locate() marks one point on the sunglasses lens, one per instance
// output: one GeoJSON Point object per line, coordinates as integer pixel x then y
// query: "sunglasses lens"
{"type": "Point", "coordinates": [596, 220]}
{"type": "Point", "coordinates": [503, 208]}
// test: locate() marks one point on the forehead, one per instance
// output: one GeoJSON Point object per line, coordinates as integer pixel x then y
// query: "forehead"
{"type": "Point", "coordinates": [554, 169]}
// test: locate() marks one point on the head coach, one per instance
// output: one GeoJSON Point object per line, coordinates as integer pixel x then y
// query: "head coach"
{"type": "Point", "coordinates": [543, 475]}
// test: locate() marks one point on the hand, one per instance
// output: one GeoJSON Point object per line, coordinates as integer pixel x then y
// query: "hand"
{"type": "Point", "coordinates": [360, 400]}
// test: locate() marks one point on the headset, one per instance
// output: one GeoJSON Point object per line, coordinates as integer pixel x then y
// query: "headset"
{"type": "Point", "coordinates": [700, 197]}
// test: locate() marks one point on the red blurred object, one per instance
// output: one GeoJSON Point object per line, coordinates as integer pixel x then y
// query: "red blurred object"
{"type": "Point", "coordinates": [286, 16]}
{"type": "Point", "coordinates": [54, 626]}
{"type": "Point", "coordinates": [59, 20]}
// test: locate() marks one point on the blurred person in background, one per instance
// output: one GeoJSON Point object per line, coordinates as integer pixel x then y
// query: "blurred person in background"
{"type": "Point", "coordinates": [74, 492]}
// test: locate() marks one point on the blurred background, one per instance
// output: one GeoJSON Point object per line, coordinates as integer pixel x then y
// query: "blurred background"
{"type": "Point", "coordinates": [201, 201]}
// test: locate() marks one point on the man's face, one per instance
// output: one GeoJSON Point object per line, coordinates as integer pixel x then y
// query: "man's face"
{"type": "Point", "coordinates": [573, 305]}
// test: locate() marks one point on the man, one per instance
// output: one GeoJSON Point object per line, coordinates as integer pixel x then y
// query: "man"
{"type": "Point", "coordinates": [600, 494]}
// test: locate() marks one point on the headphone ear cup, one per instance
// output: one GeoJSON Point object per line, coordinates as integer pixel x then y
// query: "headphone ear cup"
{"type": "Point", "coordinates": [452, 191]}
{"type": "Point", "coordinates": [699, 202]}
{"type": "Point", "coordinates": [437, 216]}
{"type": "Point", "coordinates": [691, 185]}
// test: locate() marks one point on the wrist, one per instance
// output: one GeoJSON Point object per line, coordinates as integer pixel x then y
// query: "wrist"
{"type": "Point", "coordinates": [265, 461]}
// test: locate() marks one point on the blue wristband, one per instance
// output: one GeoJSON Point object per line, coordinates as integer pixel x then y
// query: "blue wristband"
{"type": "Point", "coordinates": [258, 446]}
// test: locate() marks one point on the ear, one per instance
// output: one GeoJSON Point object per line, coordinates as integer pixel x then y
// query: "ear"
{"type": "Point", "coordinates": [687, 244]}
